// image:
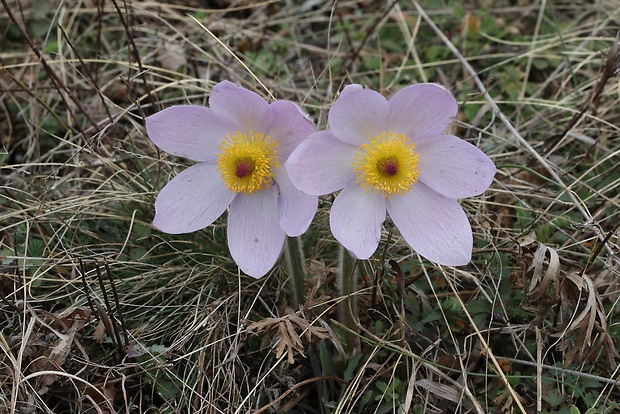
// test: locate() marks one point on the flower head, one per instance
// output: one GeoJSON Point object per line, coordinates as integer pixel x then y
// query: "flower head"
{"type": "Point", "coordinates": [240, 144]}
{"type": "Point", "coordinates": [394, 156]}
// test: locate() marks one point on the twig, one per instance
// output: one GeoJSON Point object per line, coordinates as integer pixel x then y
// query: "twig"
{"type": "Point", "coordinates": [109, 310]}
{"type": "Point", "coordinates": [117, 302]}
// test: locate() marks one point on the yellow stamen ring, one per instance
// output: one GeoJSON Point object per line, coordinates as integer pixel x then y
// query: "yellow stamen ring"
{"type": "Point", "coordinates": [247, 164]}
{"type": "Point", "coordinates": [388, 164]}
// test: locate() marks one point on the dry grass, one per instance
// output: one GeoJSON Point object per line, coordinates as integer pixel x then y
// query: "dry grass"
{"type": "Point", "coordinates": [103, 313]}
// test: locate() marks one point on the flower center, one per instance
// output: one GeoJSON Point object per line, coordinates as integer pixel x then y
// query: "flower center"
{"type": "Point", "coordinates": [244, 166]}
{"type": "Point", "coordinates": [247, 164]}
{"type": "Point", "coordinates": [388, 164]}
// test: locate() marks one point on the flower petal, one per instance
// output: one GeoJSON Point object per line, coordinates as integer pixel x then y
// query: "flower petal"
{"type": "Point", "coordinates": [255, 238]}
{"type": "Point", "coordinates": [421, 109]}
{"type": "Point", "coordinates": [434, 226]}
{"type": "Point", "coordinates": [350, 89]}
{"type": "Point", "coordinates": [322, 164]}
{"type": "Point", "coordinates": [355, 220]}
{"type": "Point", "coordinates": [358, 115]}
{"type": "Point", "coordinates": [192, 200]}
{"type": "Point", "coordinates": [454, 167]}
{"type": "Point", "coordinates": [289, 126]}
{"type": "Point", "coordinates": [246, 107]}
{"type": "Point", "coordinates": [189, 131]}
{"type": "Point", "coordinates": [295, 209]}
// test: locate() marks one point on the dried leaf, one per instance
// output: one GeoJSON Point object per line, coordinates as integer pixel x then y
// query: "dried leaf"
{"type": "Point", "coordinates": [302, 323]}
{"type": "Point", "coordinates": [540, 281]}
{"type": "Point", "coordinates": [293, 336]}
{"type": "Point", "coordinates": [74, 315]}
{"type": "Point", "coordinates": [103, 403]}
{"type": "Point", "coordinates": [470, 23]}
{"type": "Point", "coordinates": [449, 392]}
{"type": "Point", "coordinates": [172, 56]}
{"type": "Point", "coordinates": [580, 291]}
{"type": "Point", "coordinates": [585, 319]}
{"type": "Point", "coordinates": [99, 333]}
{"type": "Point", "coordinates": [61, 350]}
{"type": "Point", "coordinates": [55, 360]}
{"type": "Point", "coordinates": [285, 343]}
{"type": "Point", "coordinates": [262, 325]}
{"type": "Point", "coordinates": [288, 331]}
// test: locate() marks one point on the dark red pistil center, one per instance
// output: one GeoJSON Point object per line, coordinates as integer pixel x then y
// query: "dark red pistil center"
{"type": "Point", "coordinates": [244, 167]}
{"type": "Point", "coordinates": [388, 166]}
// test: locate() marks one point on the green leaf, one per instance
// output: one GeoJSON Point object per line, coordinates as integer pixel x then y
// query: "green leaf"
{"type": "Point", "coordinates": [365, 399]}
{"type": "Point", "coordinates": [382, 386]}
{"type": "Point", "coordinates": [553, 398]}
{"type": "Point", "coordinates": [327, 361]}
{"type": "Point", "coordinates": [167, 389]}
{"type": "Point", "coordinates": [431, 317]}
{"type": "Point", "coordinates": [352, 365]}
{"type": "Point", "coordinates": [451, 305]}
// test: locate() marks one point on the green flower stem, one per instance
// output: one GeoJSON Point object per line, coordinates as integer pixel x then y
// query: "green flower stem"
{"type": "Point", "coordinates": [296, 269]}
{"type": "Point", "coordinates": [347, 282]}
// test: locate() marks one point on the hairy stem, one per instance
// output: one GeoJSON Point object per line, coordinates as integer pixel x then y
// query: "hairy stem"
{"type": "Point", "coordinates": [296, 269]}
{"type": "Point", "coordinates": [347, 281]}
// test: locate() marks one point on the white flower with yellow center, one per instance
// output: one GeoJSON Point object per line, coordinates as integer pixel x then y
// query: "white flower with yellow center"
{"type": "Point", "coordinates": [394, 156]}
{"type": "Point", "coordinates": [240, 143]}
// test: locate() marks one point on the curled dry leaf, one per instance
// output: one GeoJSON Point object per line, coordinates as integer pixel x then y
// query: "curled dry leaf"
{"type": "Point", "coordinates": [541, 278]}
{"type": "Point", "coordinates": [49, 349]}
{"type": "Point", "coordinates": [59, 351]}
{"type": "Point", "coordinates": [62, 347]}
{"type": "Point", "coordinates": [580, 296]}
{"type": "Point", "coordinates": [586, 319]}
{"type": "Point", "coordinates": [581, 307]}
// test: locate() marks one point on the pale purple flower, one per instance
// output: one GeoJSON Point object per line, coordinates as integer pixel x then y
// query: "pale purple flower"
{"type": "Point", "coordinates": [394, 155]}
{"type": "Point", "coordinates": [240, 143]}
